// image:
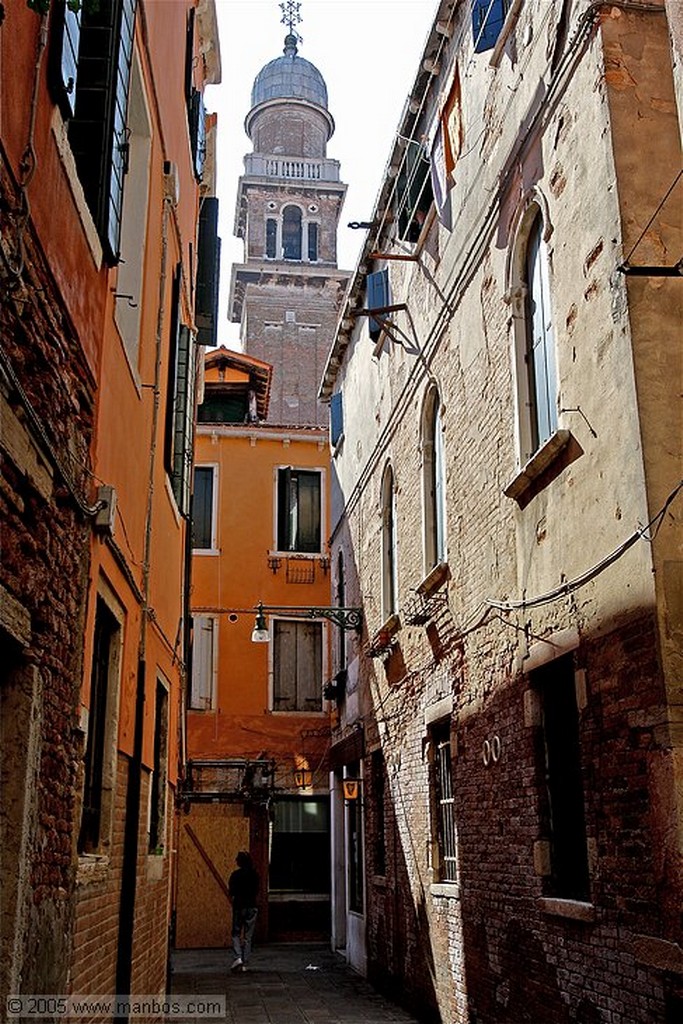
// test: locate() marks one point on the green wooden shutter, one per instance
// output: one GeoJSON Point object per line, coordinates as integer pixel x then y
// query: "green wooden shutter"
{"type": "Point", "coordinates": [184, 420]}
{"type": "Point", "coordinates": [97, 132]}
{"type": "Point", "coordinates": [208, 268]}
{"type": "Point", "coordinates": [284, 491]}
{"type": "Point", "coordinates": [119, 130]}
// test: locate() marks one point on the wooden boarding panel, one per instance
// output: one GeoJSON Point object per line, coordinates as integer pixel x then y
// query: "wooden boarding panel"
{"type": "Point", "coordinates": [203, 914]}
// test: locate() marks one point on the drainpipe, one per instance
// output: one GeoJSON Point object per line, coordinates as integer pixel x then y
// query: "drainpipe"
{"type": "Point", "coordinates": [124, 963]}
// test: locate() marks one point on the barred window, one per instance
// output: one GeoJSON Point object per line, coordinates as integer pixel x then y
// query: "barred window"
{"type": "Point", "coordinates": [443, 803]}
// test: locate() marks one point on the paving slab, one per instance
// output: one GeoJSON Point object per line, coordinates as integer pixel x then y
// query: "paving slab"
{"type": "Point", "coordinates": [293, 983]}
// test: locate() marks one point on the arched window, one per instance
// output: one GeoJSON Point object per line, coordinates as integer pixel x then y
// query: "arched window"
{"type": "Point", "coordinates": [540, 344]}
{"type": "Point", "coordinates": [389, 548]}
{"type": "Point", "coordinates": [433, 481]}
{"type": "Point", "coordinates": [535, 360]}
{"type": "Point", "coordinates": [291, 233]}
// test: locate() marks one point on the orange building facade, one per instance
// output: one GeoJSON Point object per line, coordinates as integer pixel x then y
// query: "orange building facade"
{"type": "Point", "coordinates": [258, 719]}
{"type": "Point", "coordinates": [106, 190]}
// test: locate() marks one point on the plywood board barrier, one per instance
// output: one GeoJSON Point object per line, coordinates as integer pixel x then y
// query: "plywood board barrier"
{"type": "Point", "coordinates": [208, 847]}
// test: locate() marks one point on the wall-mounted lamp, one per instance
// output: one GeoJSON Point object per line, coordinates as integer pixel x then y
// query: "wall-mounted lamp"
{"type": "Point", "coordinates": [351, 789]}
{"type": "Point", "coordinates": [260, 634]}
{"type": "Point", "coordinates": [345, 618]}
{"type": "Point", "coordinates": [303, 777]}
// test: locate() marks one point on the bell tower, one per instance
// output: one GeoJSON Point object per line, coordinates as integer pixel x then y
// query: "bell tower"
{"type": "Point", "coordinates": [287, 293]}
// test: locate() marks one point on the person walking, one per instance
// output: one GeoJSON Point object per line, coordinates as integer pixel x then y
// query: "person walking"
{"type": "Point", "coordinates": [243, 889]}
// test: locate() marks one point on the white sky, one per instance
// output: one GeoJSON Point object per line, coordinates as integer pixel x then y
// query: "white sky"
{"type": "Point", "coordinates": [367, 51]}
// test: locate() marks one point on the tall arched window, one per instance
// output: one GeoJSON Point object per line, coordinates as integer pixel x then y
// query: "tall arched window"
{"type": "Point", "coordinates": [534, 352]}
{"type": "Point", "coordinates": [389, 547]}
{"type": "Point", "coordinates": [433, 481]}
{"type": "Point", "coordinates": [291, 233]}
{"type": "Point", "coordinates": [540, 343]}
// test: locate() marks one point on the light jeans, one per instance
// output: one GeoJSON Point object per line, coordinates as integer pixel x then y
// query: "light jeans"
{"type": "Point", "coordinates": [243, 924]}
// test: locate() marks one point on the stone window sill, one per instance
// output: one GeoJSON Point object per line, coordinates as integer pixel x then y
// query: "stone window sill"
{"type": "Point", "coordinates": [575, 910]}
{"type": "Point", "coordinates": [537, 465]}
{"type": "Point", "coordinates": [447, 890]}
{"type": "Point", "coordinates": [92, 868]}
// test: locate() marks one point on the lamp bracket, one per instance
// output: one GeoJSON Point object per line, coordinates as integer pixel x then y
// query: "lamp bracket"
{"type": "Point", "coordinates": [345, 618]}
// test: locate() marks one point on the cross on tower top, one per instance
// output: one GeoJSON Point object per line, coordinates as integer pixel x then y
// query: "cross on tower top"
{"type": "Point", "coordinates": [291, 17]}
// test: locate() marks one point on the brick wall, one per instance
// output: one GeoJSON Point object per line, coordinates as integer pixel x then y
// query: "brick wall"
{"type": "Point", "coordinates": [97, 913]}
{"type": "Point", "coordinates": [43, 576]}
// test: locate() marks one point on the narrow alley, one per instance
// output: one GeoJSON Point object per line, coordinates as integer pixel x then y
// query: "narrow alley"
{"type": "Point", "coordinates": [301, 983]}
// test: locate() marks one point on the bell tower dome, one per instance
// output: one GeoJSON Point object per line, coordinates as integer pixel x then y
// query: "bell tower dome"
{"type": "Point", "coordinates": [287, 292]}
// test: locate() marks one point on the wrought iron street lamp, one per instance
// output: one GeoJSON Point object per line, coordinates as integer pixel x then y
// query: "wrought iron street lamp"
{"type": "Point", "coordinates": [345, 618]}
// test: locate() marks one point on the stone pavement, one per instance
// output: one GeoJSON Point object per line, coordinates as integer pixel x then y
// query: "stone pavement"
{"type": "Point", "coordinates": [298, 983]}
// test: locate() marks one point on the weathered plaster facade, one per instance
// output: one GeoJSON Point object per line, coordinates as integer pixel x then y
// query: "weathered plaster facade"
{"type": "Point", "coordinates": [569, 122]}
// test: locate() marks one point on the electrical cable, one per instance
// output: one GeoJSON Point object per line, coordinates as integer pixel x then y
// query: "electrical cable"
{"type": "Point", "coordinates": [595, 570]}
{"type": "Point", "coordinates": [649, 223]}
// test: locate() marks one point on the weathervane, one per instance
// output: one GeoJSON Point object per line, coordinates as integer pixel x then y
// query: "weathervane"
{"type": "Point", "coordinates": [291, 17]}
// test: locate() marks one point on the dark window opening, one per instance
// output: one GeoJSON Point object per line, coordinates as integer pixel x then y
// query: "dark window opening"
{"type": "Point", "coordinates": [312, 242]}
{"type": "Point", "coordinates": [106, 631]}
{"type": "Point", "coordinates": [298, 512]}
{"type": "Point", "coordinates": [300, 853]}
{"type": "Point", "coordinates": [202, 508]}
{"type": "Point", "coordinates": [157, 817]}
{"type": "Point", "coordinates": [224, 406]}
{"type": "Point", "coordinates": [414, 193]}
{"type": "Point", "coordinates": [563, 782]}
{"type": "Point", "coordinates": [379, 829]}
{"type": "Point", "coordinates": [291, 233]}
{"type": "Point", "coordinates": [271, 238]}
